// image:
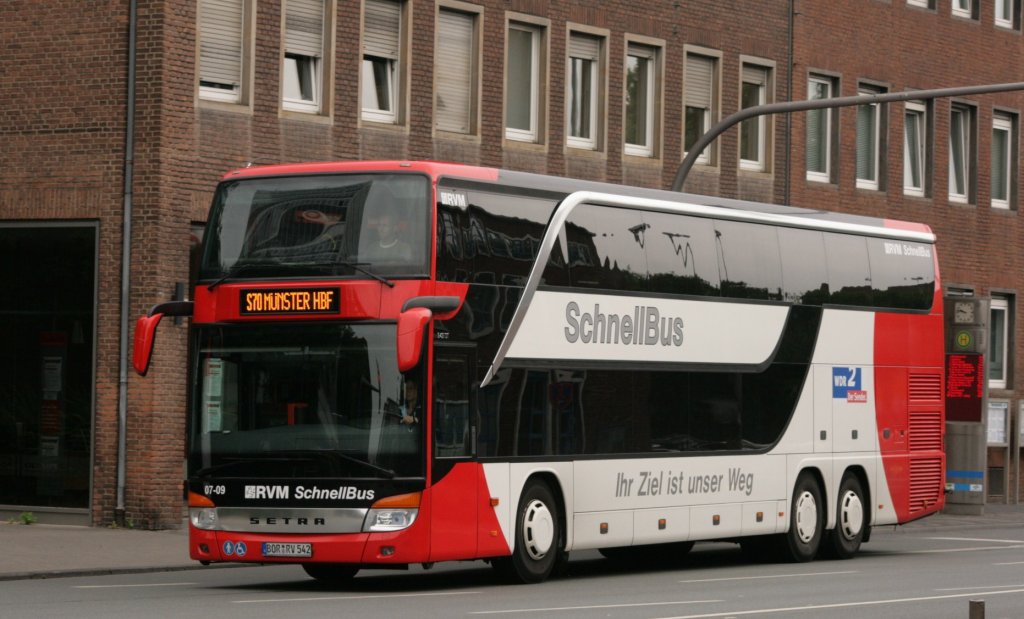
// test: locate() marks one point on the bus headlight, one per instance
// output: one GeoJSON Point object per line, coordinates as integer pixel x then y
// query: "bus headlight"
{"type": "Point", "coordinates": [203, 517]}
{"type": "Point", "coordinates": [392, 513]}
{"type": "Point", "coordinates": [202, 512]}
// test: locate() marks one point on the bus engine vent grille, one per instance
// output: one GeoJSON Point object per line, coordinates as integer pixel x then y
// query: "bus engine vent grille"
{"type": "Point", "coordinates": [925, 387]}
{"type": "Point", "coordinates": [925, 483]}
{"type": "Point", "coordinates": [925, 431]}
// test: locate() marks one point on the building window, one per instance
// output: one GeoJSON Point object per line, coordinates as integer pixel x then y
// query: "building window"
{"type": "Point", "coordinates": [753, 131]}
{"type": "Point", "coordinates": [963, 8]}
{"type": "Point", "coordinates": [583, 80]}
{"type": "Point", "coordinates": [523, 82]}
{"type": "Point", "coordinates": [961, 149]}
{"type": "Point", "coordinates": [303, 55]}
{"type": "Point", "coordinates": [1004, 17]}
{"type": "Point", "coordinates": [1003, 164]}
{"type": "Point", "coordinates": [924, 4]}
{"type": "Point", "coordinates": [223, 66]}
{"type": "Point", "coordinates": [819, 130]}
{"type": "Point", "coordinates": [455, 72]}
{"type": "Point", "coordinates": [915, 139]}
{"type": "Point", "coordinates": [641, 99]}
{"type": "Point", "coordinates": [699, 98]}
{"type": "Point", "coordinates": [869, 148]}
{"type": "Point", "coordinates": [999, 323]}
{"type": "Point", "coordinates": [381, 70]}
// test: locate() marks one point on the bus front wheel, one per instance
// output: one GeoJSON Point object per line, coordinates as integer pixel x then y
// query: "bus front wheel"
{"type": "Point", "coordinates": [806, 521]}
{"type": "Point", "coordinates": [540, 540]}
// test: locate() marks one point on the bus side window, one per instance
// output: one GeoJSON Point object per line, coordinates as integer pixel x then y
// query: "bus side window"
{"type": "Point", "coordinates": [451, 405]}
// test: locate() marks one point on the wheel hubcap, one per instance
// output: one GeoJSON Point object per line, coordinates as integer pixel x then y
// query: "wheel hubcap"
{"type": "Point", "coordinates": [538, 530]}
{"type": "Point", "coordinates": [851, 514]}
{"type": "Point", "coordinates": [806, 517]}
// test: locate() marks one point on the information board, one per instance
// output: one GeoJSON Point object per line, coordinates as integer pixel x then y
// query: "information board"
{"type": "Point", "coordinates": [964, 387]}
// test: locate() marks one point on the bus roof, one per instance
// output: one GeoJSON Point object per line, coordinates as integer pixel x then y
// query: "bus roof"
{"type": "Point", "coordinates": [564, 186]}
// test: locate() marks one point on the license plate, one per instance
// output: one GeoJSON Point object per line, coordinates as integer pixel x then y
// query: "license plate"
{"type": "Point", "coordinates": [287, 549]}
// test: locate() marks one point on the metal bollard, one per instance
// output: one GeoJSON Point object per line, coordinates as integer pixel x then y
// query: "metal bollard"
{"type": "Point", "coordinates": [977, 609]}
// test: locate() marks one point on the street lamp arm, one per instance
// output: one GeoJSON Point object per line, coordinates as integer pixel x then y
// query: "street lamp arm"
{"type": "Point", "coordinates": [818, 104]}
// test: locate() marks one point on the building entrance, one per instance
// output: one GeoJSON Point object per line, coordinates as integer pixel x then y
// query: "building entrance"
{"type": "Point", "coordinates": [47, 359]}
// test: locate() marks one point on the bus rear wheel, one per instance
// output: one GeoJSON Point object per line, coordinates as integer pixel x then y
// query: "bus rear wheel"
{"type": "Point", "coordinates": [806, 521]}
{"type": "Point", "coordinates": [540, 539]}
{"type": "Point", "coordinates": [845, 540]}
{"type": "Point", "coordinates": [331, 573]}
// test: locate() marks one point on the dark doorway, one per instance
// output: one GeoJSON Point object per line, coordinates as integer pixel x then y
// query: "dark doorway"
{"type": "Point", "coordinates": [47, 318]}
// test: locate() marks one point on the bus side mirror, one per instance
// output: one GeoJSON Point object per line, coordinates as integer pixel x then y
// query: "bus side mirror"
{"type": "Point", "coordinates": [145, 333]}
{"type": "Point", "coordinates": [409, 344]}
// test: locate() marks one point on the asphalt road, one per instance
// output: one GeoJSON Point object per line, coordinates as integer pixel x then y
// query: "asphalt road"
{"type": "Point", "coordinates": [924, 573]}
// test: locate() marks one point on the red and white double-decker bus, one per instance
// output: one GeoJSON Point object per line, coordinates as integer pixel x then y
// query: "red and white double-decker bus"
{"type": "Point", "coordinates": [396, 363]}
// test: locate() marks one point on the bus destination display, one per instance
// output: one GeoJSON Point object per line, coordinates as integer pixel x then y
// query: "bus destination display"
{"type": "Point", "coordinates": [291, 301]}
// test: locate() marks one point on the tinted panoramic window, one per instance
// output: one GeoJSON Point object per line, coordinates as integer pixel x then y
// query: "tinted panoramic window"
{"type": "Point", "coordinates": [748, 260]}
{"type": "Point", "coordinates": [849, 272]}
{"type": "Point", "coordinates": [804, 277]}
{"type": "Point", "coordinates": [681, 254]}
{"type": "Point", "coordinates": [318, 225]}
{"type": "Point", "coordinates": [902, 273]}
{"type": "Point", "coordinates": [481, 231]}
{"type": "Point", "coordinates": [606, 248]}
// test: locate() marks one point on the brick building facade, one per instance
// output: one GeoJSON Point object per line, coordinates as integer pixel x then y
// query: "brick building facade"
{"type": "Point", "coordinates": [64, 122]}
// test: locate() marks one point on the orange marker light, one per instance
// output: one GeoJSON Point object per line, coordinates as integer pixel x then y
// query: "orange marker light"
{"type": "Point", "coordinates": [197, 500]}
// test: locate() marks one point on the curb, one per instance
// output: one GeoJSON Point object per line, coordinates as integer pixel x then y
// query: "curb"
{"type": "Point", "coordinates": [114, 571]}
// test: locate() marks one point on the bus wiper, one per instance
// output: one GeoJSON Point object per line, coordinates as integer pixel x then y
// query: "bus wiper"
{"type": "Point", "coordinates": [338, 455]}
{"type": "Point", "coordinates": [237, 269]}
{"type": "Point", "coordinates": [358, 266]}
{"type": "Point", "coordinates": [233, 462]}
{"type": "Point", "coordinates": [240, 267]}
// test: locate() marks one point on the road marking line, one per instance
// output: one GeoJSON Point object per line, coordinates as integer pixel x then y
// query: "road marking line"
{"type": "Point", "coordinates": [1011, 563]}
{"type": "Point", "coordinates": [687, 582]}
{"type": "Point", "coordinates": [158, 584]}
{"type": "Point", "coordinates": [594, 607]}
{"type": "Point", "coordinates": [929, 552]}
{"type": "Point", "coordinates": [791, 609]}
{"type": "Point", "coordinates": [975, 588]}
{"type": "Point", "coordinates": [352, 597]}
{"type": "Point", "coordinates": [979, 539]}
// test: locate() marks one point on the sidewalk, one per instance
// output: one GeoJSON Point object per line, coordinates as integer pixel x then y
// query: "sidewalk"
{"type": "Point", "coordinates": [49, 551]}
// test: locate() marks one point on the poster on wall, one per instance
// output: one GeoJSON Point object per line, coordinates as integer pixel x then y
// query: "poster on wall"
{"type": "Point", "coordinates": [997, 422]}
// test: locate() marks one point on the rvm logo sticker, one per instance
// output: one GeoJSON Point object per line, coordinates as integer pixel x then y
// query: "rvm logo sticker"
{"type": "Point", "coordinates": [847, 384]}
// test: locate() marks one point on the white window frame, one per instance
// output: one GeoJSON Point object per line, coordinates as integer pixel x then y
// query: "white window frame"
{"type": "Point", "coordinates": [303, 52]}
{"type": "Point", "coordinates": [825, 129]}
{"type": "Point", "coordinates": [701, 98]}
{"type": "Point", "coordinates": [532, 134]}
{"type": "Point", "coordinates": [593, 66]}
{"type": "Point", "coordinates": [872, 183]}
{"type": "Point", "coordinates": [390, 61]}
{"type": "Point", "coordinates": [915, 113]}
{"type": "Point", "coordinates": [218, 41]}
{"type": "Point", "coordinates": [649, 57]}
{"type": "Point", "coordinates": [999, 305]}
{"type": "Point", "coordinates": [760, 123]}
{"type": "Point", "coordinates": [1003, 123]}
{"type": "Point", "coordinates": [962, 8]}
{"type": "Point", "coordinates": [469, 62]}
{"type": "Point", "coordinates": [924, 4]}
{"type": "Point", "coordinates": [965, 139]}
{"type": "Point", "coordinates": [1003, 13]}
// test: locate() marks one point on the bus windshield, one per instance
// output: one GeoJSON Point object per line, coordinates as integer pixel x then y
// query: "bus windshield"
{"type": "Point", "coordinates": [324, 225]}
{"type": "Point", "coordinates": [322, 401]}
